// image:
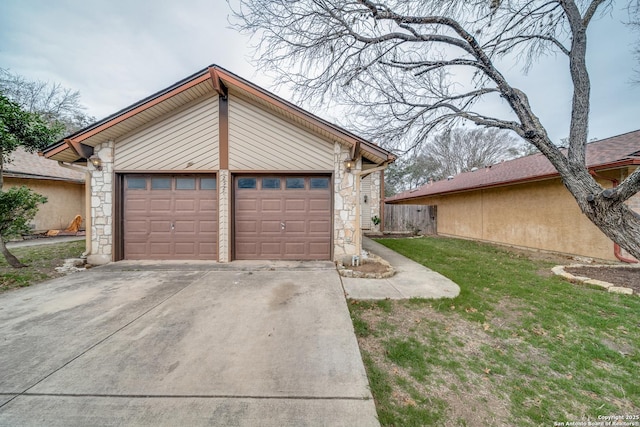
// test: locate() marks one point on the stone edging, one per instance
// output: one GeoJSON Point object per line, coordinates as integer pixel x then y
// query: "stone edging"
{"type": "Point", "coordinates": [347, 272]}
{"type": "Point", "coordinates": [558, 270]}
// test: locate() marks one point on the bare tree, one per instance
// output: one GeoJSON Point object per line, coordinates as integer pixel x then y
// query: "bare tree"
{"type": "Point", "coordinates": [450, 153]}
{"type": "Point", "coordinates": [410, 171]}
{"type": "Point", "coordinates": [53, 102]}
{"type": "Point", "coordinates": [460, 150]}
{"type": "Point", "coordinates": [417, 65]}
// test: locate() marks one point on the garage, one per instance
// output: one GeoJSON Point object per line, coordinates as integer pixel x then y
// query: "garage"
{"type": "Point", "coordinates": [282, 217]}
{"type": "Point", "coordinates": [214, 167]}
{"type": "Point", "coordinates": [170, 217]}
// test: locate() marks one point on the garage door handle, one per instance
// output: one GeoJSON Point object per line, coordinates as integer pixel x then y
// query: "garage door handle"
{"type": "Point", "coordinates": [173, 226]}
{"type": "Point", "coordinates": [282, 225]}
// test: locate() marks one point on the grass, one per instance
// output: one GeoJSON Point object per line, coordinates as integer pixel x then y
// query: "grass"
{"type": "Point", "coordinates": [518, 346]}
{"type": "Point", "coordinates": [41, 261]}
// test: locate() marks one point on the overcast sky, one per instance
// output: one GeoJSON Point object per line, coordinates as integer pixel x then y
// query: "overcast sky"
{"type": "Point", "coordinates": [117, 52]}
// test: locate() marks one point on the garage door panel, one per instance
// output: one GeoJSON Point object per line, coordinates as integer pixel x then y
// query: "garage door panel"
{"type": "Point", "coordinates": [160, 248]}
{"type": "Point", "coordinates": [137, 248]}
{"type": "Point", "coordinates": [138, 206]}
{"type": "Point", "coordinates": [185, 248]}
{"type": "Point", "coordinates": [186, 206]}
{"type": "Point", "coordinates": [321, 226]}
{"type": "Point", "coordinates": [207, 248]}
{"type": "Point", "coordinates": [185, 226]}
{"type": "Point", "coordinates": [137, 226]}
{"type": "Point", "coordinates": [295, 206]}
{"type": "Point", "coordinates": [160, 205]}
{"type": "Point", "coordinates": [163, 226]}
{"type": "Point", "coordinates": [249, 248]}
{"type": "Point", "coordinates": [270, 227]}
{"type": "Point", "coordinates": [270, 248]}
{"type": "Point", "coordinates": [271, 205]}
{"type": "Point", "coordinates": [207, 206]}
{"type": "Point", "coordinates": [322, 206]}
{"type": "Point", "coordinates": [259, 213]}
{"type": "Point", "coordinates": [246, 226]}
{"type": "Point", "coordinates": [296, 227]}
{"type": "Point", "coordinates": [246, 205]}
{"type": "Point", "coordinates": [207, 226]}
{"type": "Point", "coordinates": [294, 248]}
{"type": "Point", "coordinates": [174, 222]}
{"type": "Point", "coordinates": [319, 248]}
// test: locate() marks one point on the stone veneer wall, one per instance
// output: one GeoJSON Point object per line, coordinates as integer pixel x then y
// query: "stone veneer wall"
{"type": "Point", "coordinates": [344, 206]}
{"type": "Point", "coordinates": [102, 206]}
{"type": "Point", "coordinates": [224, 197]}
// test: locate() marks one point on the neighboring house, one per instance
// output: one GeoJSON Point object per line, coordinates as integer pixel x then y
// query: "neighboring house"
{"type": "Point", "coordinates": [216, 168]}
{"type": "Point", "coordinates": [523, 202]}
{"type": "Point", "coordinates": [64, 188]}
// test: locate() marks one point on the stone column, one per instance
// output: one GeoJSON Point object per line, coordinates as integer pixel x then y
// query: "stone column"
{"type": "Point", "coordinates": [101, 202]}
{"type": "Point", "coordinates": [345, 202]}
{"type": "Point", "coordinates": [224, 192]}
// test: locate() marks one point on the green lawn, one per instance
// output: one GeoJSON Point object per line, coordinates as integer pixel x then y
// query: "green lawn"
{"type": "Point", "coordinates": [41, 261]}
{"type": "Point", "coordinates": [518, 347]}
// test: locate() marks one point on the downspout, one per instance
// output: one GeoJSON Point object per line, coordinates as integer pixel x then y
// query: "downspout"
{"type": "Point", "coordinates": [616, 247]}
{"type": "Point", "coordinates": [87, 204]}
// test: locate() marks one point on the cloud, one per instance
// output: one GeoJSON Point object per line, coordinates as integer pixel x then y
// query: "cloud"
{"type": "Point", "coordinates": [116, 52]}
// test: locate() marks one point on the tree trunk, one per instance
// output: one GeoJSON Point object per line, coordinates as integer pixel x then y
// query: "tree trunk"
{"type": "Point", "coordinates": [615, 219]}
{"type": "Point", "coordinates": [11, 259]}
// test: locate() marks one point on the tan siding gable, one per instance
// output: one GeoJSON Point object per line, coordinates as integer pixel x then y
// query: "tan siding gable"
{"type": "Point", "coordinates": [186, 139]}
{"type": "Point", "coordinates": [260, 140]}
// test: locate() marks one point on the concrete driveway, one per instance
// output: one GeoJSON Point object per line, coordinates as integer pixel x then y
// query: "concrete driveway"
{"type": "Point", "coordinates": [191, 344]}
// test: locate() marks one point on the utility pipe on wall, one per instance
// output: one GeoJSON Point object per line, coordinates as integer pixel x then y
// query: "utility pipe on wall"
{"type": "Point", "coordinates": [616, 247]}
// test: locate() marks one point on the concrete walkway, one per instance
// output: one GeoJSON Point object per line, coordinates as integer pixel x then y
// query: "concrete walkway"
{"type": "Point", "coordinates": [411, 280]}
{"type": "Point", "coordinates": [44, 241]}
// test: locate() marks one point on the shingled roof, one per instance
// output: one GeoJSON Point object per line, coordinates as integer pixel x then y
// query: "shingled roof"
{"type": "Point", "coordinates": [30, 165]}
{"type": "Point", "coordinates": [609, 153]}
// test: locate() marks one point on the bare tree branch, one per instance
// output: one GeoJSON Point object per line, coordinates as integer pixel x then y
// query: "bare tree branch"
{"type": "Point", "coordinates": [413, 68]}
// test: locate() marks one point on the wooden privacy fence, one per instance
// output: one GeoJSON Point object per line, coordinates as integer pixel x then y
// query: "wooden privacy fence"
{"type": "Point", "coordinates": [417, 219]}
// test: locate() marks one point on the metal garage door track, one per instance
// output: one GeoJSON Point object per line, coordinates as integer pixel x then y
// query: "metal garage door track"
{"type": "Point", "coordinates": [241, 344]}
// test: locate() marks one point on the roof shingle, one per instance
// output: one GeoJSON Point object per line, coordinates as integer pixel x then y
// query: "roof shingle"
{"type": "Point", "coordinates": [601, 153]}
{"type": "Point", "coordinates": [30, 165]}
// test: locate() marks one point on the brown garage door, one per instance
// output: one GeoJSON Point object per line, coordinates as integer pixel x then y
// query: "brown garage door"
{"type": "Point", "coordinates": [282, 217]}
{"type": "Point", "coordinates": [170, 217]}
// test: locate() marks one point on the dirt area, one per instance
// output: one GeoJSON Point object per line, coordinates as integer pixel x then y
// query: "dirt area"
{"type": "Point", "coordinates": [628, 277]}
{"type": "Point", "coordinates": [370, 267]}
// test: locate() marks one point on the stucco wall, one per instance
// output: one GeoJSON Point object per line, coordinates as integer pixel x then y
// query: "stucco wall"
{"type": "Point", "coordinates": [541, 215]}
{"type": "Point", "coordinates": [65, 201]}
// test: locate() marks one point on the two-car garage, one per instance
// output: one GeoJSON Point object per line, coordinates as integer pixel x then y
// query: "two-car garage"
{"type": "Point", "coordinates": [175, 217]}
{"type": "Point", "coordinates": [216, 168]}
